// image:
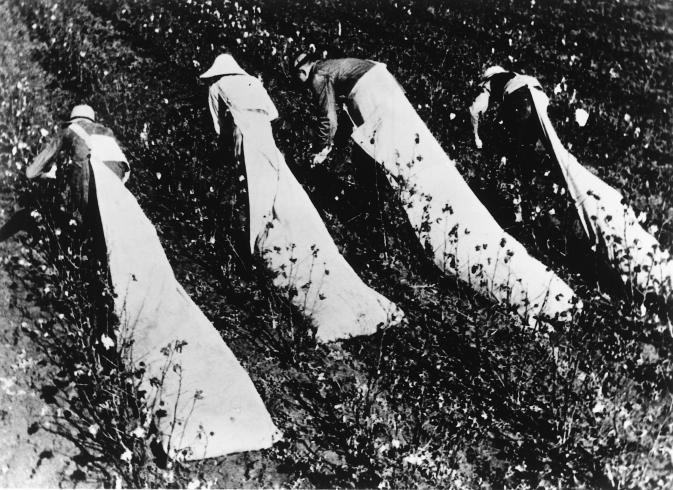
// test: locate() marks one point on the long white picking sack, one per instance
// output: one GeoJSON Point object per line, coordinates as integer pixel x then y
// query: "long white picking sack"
{"type": "Point", "coordinates": [608, 220]}
{"type": "Point", "coordinates": [211, 406]}
{"type": "Point", "coordinates": [289, 234]}
{"type": "Point", "coordinates": [466, 240]}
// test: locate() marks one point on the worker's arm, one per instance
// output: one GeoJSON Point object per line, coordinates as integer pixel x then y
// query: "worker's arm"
{"type": "Point", "coordinates": [238, 142]}
{"type": "Point", "coordinates": [324, 89]}
{"type": "Point", "coordinates": [214, 105]}
{"type": "Point", "coordinates": [270, 108]}
{"type": "Point", "coordinates": [478, 107]}
{"type": "Point", "coordinates": [44, 160]}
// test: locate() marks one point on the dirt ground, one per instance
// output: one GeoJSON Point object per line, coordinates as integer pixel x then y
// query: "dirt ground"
{"type": "Point", "coordinates": [31, 453]}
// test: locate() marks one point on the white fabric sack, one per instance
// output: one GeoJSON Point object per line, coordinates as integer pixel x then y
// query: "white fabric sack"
{"type": "Point", "coordinates": [103, 148]}
{"type": "Point", "coordinates": [608, 220]}
{"type": "Point", "coordinates": [289, 234]}
{"type": "Point", "coordinates": [444, 212]}
{"type": "Point", "coordinates": [212, 407]}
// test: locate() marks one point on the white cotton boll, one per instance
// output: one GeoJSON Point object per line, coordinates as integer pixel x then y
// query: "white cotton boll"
{"type": "Point", "coordinates": [159, 175]}
{"type": "Point", "coordinates": [413, 459]}
{"type": "Point", "coordinates": [627, 117]}
{"type": "Point", "coordinates": [581, 117]}
{"type": "Point", "coordinates": [44, 132]}
{"type": "Point", "coordinates": [139, 432]}
{"type": "Point", "coordinates": [107, 342]}
{"type": "Point", "coordinates": [127, 455]}
{"type": "Point", "coordinates": [194, 484]}
{"type": "Point", "coordinates": [452, 116]}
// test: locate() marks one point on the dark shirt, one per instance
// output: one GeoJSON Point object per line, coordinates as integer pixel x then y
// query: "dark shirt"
{"type": "Point", "coordinates": [331, 79]}
{"type": "Point", "coordinates": [498, 82]}
{"type": "Point", "coordinates": [75, 147]}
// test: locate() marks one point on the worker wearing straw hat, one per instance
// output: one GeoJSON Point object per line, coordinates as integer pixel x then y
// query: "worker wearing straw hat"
{"type": "Point", "coordinates": [285, 229]}
{"type": "Point", "coordinates": [75, 141]}
{"type": "Point", "coordinates": [513, 92]}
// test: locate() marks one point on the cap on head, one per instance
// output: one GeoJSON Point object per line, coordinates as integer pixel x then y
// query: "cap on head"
{"type": "Point", "coordinates": [82, 111]}
{"type": "Point", "coordinates": [224, 64]}
{"type": "Point", "coordinates": [493, 70]}
{"type": "Point", "coordinates": [303, 59]}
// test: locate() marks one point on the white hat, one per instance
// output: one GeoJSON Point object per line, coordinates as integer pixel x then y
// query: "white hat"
{"type": "Point", "coordinates": [82, 111]}
{"type": "Point", "coordinates": [492, 70]}
{"type": "Point", "coordinates": [224, 64]}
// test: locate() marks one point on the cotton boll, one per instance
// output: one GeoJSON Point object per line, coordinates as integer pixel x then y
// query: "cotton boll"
{"type": "Point", "coordinates": [581, 117]}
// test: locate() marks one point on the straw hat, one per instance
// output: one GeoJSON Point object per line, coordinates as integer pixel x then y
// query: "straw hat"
{"type": "Point", "coordinates": [493, 70]}
{"type": "Point", "coordinates": [82, 111]}
{"type": "Point", "coordinates": [224, 64]}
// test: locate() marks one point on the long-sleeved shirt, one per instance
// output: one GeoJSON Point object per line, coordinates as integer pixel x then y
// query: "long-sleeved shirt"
{"type": "Point", "coordinates": [331, 79]}
{"type": "Point", "coordinates": [241, 94]}
{"type": "Point", "coordinates": [69, 141]}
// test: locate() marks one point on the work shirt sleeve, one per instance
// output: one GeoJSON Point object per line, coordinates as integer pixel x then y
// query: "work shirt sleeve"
{"type": "Point", "coordinates": [45, 158]}
{"type": "Point", "coordinates": [326, 98]}
{"type": "Point", "coordinates": [266, 102]}
{"type": "Point", "coordinates": [214, 105]}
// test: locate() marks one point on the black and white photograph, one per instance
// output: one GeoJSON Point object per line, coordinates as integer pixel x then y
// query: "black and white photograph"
{"type": "Point", "coordinates": [323, 244]}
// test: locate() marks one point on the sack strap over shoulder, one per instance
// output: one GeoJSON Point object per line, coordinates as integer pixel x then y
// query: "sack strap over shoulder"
{"type": "Point", "coordinates": [79, 131]}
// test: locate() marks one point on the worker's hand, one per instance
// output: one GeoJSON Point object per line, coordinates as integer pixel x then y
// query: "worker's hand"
{"type": "Point", "coordinates": [49, 175]}
{"type": "Point", "coordinates": [318, 158]}
{"type": "Point", "coordinates": [478, 143]}
{"type": "Point", "coordinates": [238, 143]}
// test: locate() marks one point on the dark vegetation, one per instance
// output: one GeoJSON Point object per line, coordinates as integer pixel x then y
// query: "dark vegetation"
{"type": "Point", "coordinates": [462, 396]}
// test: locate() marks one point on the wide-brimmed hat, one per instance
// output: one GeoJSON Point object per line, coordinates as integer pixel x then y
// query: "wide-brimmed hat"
{"type": "Point", "coordinates": [493, 70]}
{"type": "Point", "coordinates": [224, 64]}
{"type": "Point", "coordinates": [82, 111]}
